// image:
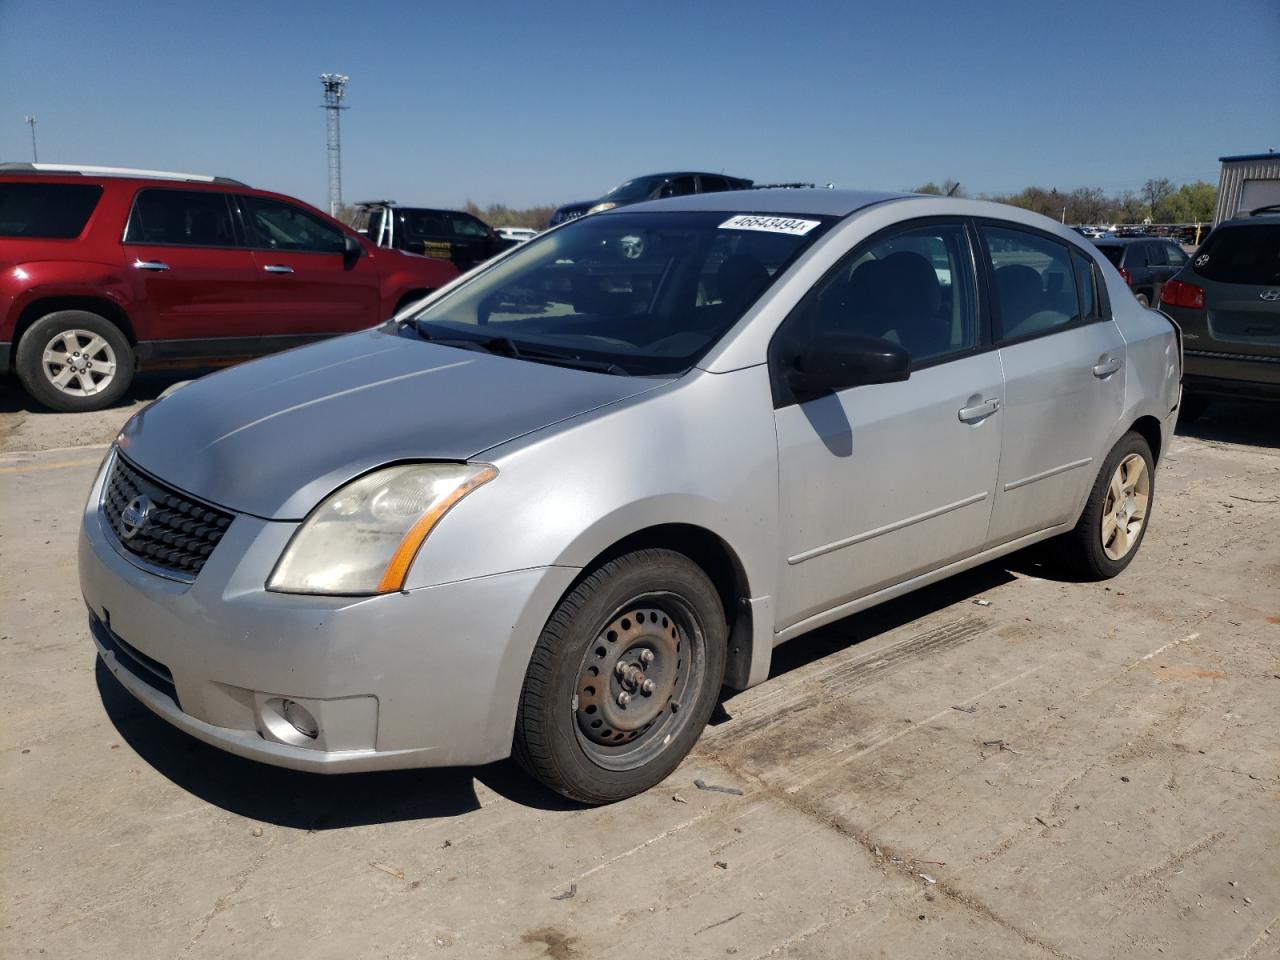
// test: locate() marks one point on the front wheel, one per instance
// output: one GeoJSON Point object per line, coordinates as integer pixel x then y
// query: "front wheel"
{"type": "Point", "coordinates": [74, 360]}
{"type": "Point", "coordinates": [1114, 521]}
{"type": "Point", "coordinates": [623, 678]}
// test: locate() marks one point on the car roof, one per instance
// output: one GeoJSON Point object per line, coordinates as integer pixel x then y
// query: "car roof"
{"type": "Point", "coordinates": [836, 203]}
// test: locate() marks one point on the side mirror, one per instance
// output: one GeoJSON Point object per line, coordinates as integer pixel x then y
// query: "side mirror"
{"type": "Point", "coordinates": [351, 251]}
{"type": "Point", "coordinates": [838, 361]}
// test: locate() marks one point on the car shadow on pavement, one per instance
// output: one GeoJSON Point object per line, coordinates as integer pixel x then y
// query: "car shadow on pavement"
{"type": "Point", "coordinates": [896, 613]}
{"type": "Point", "coordinates": [1254, 423]}
{"type": "Point", "coordinates": [145, 387]}
{"type": "Point", "coordinates": [307, 801]}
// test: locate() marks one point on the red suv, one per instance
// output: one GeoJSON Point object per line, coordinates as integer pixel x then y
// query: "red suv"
{"type": "Point", "coordinates": [104, 271]}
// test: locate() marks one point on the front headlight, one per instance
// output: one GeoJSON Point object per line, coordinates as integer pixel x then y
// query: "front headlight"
{"type": "Point", "coordinates": [601, 207]}
{"type": "Point", "coordinates": [362, 539]}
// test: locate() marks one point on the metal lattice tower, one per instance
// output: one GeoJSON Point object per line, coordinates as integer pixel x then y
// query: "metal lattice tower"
{"type": "Point", "coordinates": [334, 88]}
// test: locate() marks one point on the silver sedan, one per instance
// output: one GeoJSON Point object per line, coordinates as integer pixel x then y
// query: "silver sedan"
{"type": "Point", "coordinates": [552, 509]}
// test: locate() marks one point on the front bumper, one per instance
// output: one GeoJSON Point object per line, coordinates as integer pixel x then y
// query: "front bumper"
{"type": "Point", "coordinates": [428, 677]}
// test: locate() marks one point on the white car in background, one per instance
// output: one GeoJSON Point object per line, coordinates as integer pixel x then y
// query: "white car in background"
{"type": "Point", "coordinates": [518, 234]}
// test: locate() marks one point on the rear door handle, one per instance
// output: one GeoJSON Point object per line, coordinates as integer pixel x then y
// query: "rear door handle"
{"type": "Point", "coordinates": [150, 265]}
{"type": "Point", "coordinates": [979, 411]}
{"type": "Point", "coordinates": [1105, 368]}
{"type": "Point", "coordinates": [277, 268]}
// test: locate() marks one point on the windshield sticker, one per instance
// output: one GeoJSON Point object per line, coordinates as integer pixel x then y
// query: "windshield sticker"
{"type": "Point", "coordinates": [796, 228]}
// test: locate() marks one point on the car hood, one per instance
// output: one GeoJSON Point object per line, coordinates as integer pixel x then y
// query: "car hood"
{"type": "Point", "coordinates": [273, 437]}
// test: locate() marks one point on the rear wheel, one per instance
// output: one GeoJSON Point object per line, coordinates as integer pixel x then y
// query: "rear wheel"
{"type": "Point", "coordinates": [1114, 521]}
{"type": "Point", "coordinates": [623, 678]}
{"type": "Point", "coordinates": [1142, 299]}
{"type": "Point", "coordinates": [74, 360]}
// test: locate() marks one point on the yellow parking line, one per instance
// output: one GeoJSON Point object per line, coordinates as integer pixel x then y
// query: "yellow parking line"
{"type": "Point", "coordinates": [32, 467]}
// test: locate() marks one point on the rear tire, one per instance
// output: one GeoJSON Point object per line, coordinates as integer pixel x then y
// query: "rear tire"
{"type": "Point", "coordinates": [74, 361]}
{"type": "Point", "coordinates": [1116, 515]}
{"type": "Point", "coordinates": [1142, 299]}
{"type": "Point", "coordinates": [623, 678]}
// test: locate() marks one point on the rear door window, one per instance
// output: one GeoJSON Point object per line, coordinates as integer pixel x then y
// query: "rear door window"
{"type": "Point", "coordinates": [46, 211]}
{"type": "Point", "coordinates": [1245, 254]}
{"type": "Point", "coordinates": [1087, 285]}
{"type": "Point", "coordinates": [1035, 282]}
{"type": "Point", "coordinates": [1156, 256]}
{"type": "Point", "coordinates": [189, 218]}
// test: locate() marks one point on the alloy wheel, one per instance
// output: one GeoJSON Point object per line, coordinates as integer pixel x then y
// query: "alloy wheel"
{"type": "Point", "coordinates": [79, 363]}
{"type": "Point", "coordinates": [1125, 508]}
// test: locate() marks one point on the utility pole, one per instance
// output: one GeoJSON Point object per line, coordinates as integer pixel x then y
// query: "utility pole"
{"type": "Point", "coordinates": [334, 84]}
{"type": "Point", "coordinates": [35, 157]}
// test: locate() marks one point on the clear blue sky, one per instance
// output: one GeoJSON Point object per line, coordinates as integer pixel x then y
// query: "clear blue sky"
{"type": "Point", "coordinates": [530, 103]}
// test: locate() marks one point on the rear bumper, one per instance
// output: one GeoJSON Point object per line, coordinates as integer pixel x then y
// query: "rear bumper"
{"type": "Point", "coordinates": [1223, 374]}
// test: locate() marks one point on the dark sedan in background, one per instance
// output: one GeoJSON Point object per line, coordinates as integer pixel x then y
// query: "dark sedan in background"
{"type": "Point", "coordinates": [655, 186]}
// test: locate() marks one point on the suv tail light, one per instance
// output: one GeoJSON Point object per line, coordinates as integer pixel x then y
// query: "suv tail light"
{"type": "Point", "coordinates": [1124, 275]}
{"type": "Point", "coordinates": [1176, 293]}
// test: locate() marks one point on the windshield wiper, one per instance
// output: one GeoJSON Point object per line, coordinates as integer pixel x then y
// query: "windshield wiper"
{"type": "Point", "coordinates": [506, 347]}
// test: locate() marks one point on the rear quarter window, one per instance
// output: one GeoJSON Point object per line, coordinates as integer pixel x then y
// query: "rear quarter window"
{"type": "Point", "coordinates": [1246, 254]}
{"type": "Point", "coordinates": [1113, 252]}
{"type": "Point", "coordinates": [46, 211]}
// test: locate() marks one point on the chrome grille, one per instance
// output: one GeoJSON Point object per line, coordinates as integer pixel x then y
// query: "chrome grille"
{"type": "Point", "coordinates": [178, 533]}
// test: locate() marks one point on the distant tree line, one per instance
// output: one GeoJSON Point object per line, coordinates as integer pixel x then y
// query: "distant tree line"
{"type": "Point", "coordinates": [1159, 200]}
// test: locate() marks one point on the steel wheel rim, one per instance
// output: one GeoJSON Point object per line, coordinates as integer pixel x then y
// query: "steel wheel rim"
{"type": "Point", "coordinates": [627, 735]}
{"type": "Point", "coordinates": [79, 363]}
{"type": "Point", "coordinates": [1124, 512]}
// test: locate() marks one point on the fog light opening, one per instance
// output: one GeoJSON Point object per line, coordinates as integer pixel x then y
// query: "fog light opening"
{"type": "Point", "coordinates": [300, 718]}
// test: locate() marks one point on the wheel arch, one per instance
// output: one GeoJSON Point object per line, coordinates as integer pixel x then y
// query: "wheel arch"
{"type": "Point", "coordinates": [1148, 427]}
{"type": "Point", "coordinates": [721, 564]}
{"type": "Point", "coordinates": [108, 309]}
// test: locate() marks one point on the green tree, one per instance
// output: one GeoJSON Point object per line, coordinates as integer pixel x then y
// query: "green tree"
{"type": "Point", "coordinates": [1155, 192]}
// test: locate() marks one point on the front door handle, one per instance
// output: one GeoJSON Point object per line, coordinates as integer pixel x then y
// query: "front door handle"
{"type": "Point", "coordinates": [979, 411]}
{"type": "Point", "coordinates": [150, 265]}
{"type": "Point", "coordinates": [277, 268]}
{"type": "Point", "coordinates": [1106, 367]}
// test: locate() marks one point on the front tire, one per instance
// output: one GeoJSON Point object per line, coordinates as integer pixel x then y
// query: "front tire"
{"type": "Point", "coordinates": [623, 678]}
{"type": "Point", "coordinates": [74, 361]}
{"type": "Point", "coordinates": [1114, 521]}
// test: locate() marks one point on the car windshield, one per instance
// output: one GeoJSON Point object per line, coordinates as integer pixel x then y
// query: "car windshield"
{"type": "Point", "coordinates": [632, 190]}
{"type": "Point", "coordinates": [643, 293]}
{"type": "Point", "coordinates": [1246, 254]}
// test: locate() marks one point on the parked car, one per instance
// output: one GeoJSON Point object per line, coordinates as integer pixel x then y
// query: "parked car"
{"type": "Point", "coordinates": [518, 234]}
{"type": "Point", "coordinates": [104, 271]}
{"type": "Point", "coordinates": [452, 235]}
{"type": "Point", "coordinates": [1227, 302]}
{"type": "Point", "coordinates": [654, 186]}
{"type": "Point", "coordinates": [1144, 263]}
{"type": "Point", "coordinates": [555, 507]}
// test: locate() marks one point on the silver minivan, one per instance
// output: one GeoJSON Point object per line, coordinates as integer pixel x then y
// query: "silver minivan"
{"type": "Point", "coordinates": [554, 508]}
